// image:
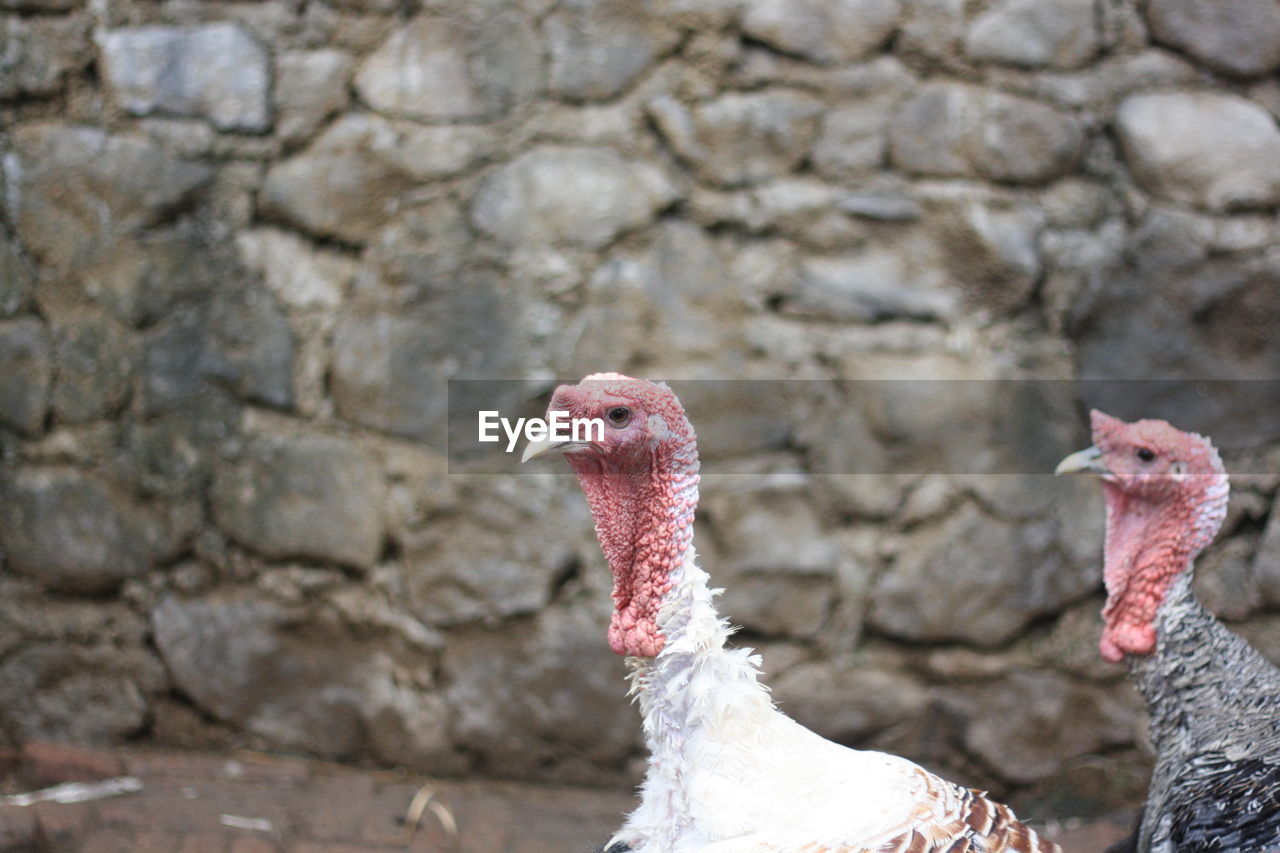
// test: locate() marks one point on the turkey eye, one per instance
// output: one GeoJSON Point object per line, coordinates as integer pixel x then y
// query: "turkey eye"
{"type": "Point", "coordinates": [619, 416]}
{"type": "Point", "coordinates": [1145, 454]}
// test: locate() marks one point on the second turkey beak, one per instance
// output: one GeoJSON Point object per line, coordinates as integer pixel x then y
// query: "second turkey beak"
{"type": "Point", "coordinates": [1087, 461]}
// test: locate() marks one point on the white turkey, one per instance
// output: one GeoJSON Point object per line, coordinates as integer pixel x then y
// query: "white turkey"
{"type": "Point", "coordinates": [728, 772]}
{"type": "Point", "coordinates": [1214, 701]}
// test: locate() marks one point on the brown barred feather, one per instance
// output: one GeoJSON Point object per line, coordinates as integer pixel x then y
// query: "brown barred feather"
{"type": "Point", "coordinates": [982, 826]}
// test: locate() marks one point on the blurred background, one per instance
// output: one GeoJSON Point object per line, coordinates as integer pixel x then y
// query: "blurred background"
{"type": "Point", "coordinates": [245, 245]}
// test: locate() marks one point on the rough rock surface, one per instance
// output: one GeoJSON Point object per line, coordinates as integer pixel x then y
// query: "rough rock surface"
{"type": "Point", "coordinates": [1205, 149]}
{"type": "Point", "coordinates": [438, 67]}
{"type": "Point", "coordinates": [739, 139]}
{"type": "Point", "coordinates": [24, 386]}
{"type": "Point", "coordinates": [951, 130]}
{"type": "Point", "coordinates": [255, 663]}
{"type": "Point", "coordinates": [823, 32]}
{"type": "Point", "coordinates": [73, 188]}
{"type": "Point", "coordinates": [585, 197]}
{"type": "Point", "coordinates": [530, 714]}
{"type": "Point", "coordinates": [856, 703]}
{"type": "Point", "coordinates": [389, 376]}
{"type": "Point", "coordinates": [1017, 729]}
{"type": "Point", "coordinates": [95, 360]}
{"type": "Point", "coordinates": [309, 87]}
{"type": "Point", "coordinates": [348, 181]}
{"type": "Point", "coordinates": [218, 72]}
{"type": "Point", "coordinates": [310, 496]}
{"type": "Point", "coordinates": [1236, 37]}
{"type": "Point", "coordinates": [16, 277]}
{"type": "Point", "coordinates": [238, 340]}
{"type": "Point", "coordinates": [1035, 35]}
{"type": "Point", "coordinates": [975, 579]}
{"type": "Point", "coordinates": [39, 53]}
{"type": "Point", "coordinates": [74, 532]}
{"type": "Point", "coordinates": [597, 48]}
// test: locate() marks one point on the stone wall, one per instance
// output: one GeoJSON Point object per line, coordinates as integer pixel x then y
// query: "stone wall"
{"type": "Point", "coordinates": [243, 245]}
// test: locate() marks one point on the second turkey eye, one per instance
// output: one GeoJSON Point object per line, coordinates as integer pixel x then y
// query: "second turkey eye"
{"type": "Point", "coordinates": [619, 416]}
{"type": "Point", "coordinates": [1145, 455]}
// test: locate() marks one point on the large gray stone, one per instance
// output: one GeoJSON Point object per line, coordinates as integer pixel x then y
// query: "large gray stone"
{"type": "Point", "coordinates": [141, 280]}
{"type": "Point", "coordinates": [215, 71]}
{"type": "Point", "coordinates": [955, 130]}
{"type": "Point", "coordinates": [467, 569]}
{"type": "Point", "coordinates": [1266, 562]}
{"type": "Point", "coordinates": [992, 255]}
{"type": "Point", "coordinates": [307, 496]}
{"type": "Point", "coordinates": [871, 286]}
{"type": "Point", "coordinates": [301, 276]}
{"type": "Point", "coordinates": [39, 53]}
{"type": "Point", "coordinates": [846, 700]}
{"type": "Point", "coordinates": [74, 191]}
{"type": "Point", "coordinates": [420, 253]}
{"type": "Point", "coordinates": [541, 697]}
{"type": "Point", "coordinates": [597, 48]}
{"type": "Point", "coordinates": [176, 453]}
{"type": "Point", "coordinates": [1034, 34]}
{"type": "Point", "coordinates": [1237, 37]}
{"type": "Point", "coordinates": [772, 555]}
{"type": "Point", "coordinates": [384, 372]}
{"type": "Point", "coordinates": [239, 340]}
{"type": "Point", "coordinates": [1024, 726]}
{"type": "Point", "coordinates": [301, 680]}
{"type": "Point", "coordinates": [95, 359]}
{"type": "Point", "coordinates": [1224, 580]}
{"type": "Point", "coordinates": [934, 28]}
{"type": "Point", "coordinates": [310, 86]}
{"type": "Point", "coordinates": [73, 532]}
{"type": "Point", "coordinates": [680, 285]}
{"type": "Point", "coordinates": [975, 579]}
{"type": "Point", "coordinates": [349, 180]}
{"type": "Point", "coordinates": [24, 384]}
{"type": "Point", "coordinates": [29, 616]}
{"type": "Point", "coordinates": [59, 692]}
{"type": "Point", "coordinates": [854, 138]}
{"type": "Point", "coordinates": [391, 363]}
{"type": "Point", "coordinates": [824, 31]}
{"type": "Point", "coordinates": [740, 138]}
{"type": "Point", "coordinates": [579, 196]}
{"type": "Point", "coordinates": [770, 531]}
{"type": "Point", "coordinates": [1206, 149]}
{"type": "Point", "coordinates": [1211, 317]}
{"type": "Point", "coordinates": [441, 68]}
{"type": "Point", "coordinates": [17, 277]}
{"type": "Point", "coordinates": [791, 606]}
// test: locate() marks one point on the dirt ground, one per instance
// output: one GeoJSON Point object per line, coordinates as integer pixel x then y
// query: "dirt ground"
{"type": "Point", "coordinates": [253, 803]}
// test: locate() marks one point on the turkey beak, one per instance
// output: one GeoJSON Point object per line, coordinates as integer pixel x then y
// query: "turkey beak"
{"type": "Point", "coordinates": [543, 446]}
{"type": "Point", "coordinates": [1087, 461]}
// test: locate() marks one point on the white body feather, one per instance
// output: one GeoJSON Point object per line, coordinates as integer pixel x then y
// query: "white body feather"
{"type": "Point", "coordinates": [729, 772]}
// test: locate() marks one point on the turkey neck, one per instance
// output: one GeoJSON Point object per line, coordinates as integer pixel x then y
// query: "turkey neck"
{"type": "Point", "coordinates": [1151, 542]}
{"type": "Point", "coordinates": [643, 511]}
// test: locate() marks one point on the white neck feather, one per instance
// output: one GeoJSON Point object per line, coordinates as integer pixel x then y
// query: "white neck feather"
{"type": "Point", "coordinates": [692, 689]}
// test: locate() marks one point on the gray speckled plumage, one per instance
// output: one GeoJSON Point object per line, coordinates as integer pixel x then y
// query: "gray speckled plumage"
{"type": "Point", "coordinates": [1214, 703]}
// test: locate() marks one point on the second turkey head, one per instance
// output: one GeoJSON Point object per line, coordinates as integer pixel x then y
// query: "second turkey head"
{"type": "Point", "coordinates": [1166, 497]}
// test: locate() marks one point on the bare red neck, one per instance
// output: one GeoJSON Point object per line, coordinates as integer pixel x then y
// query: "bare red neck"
{"type": "Point", "coordinates": [1148, 545]}
{"type": "Point", "coordinates": [644, 521]}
